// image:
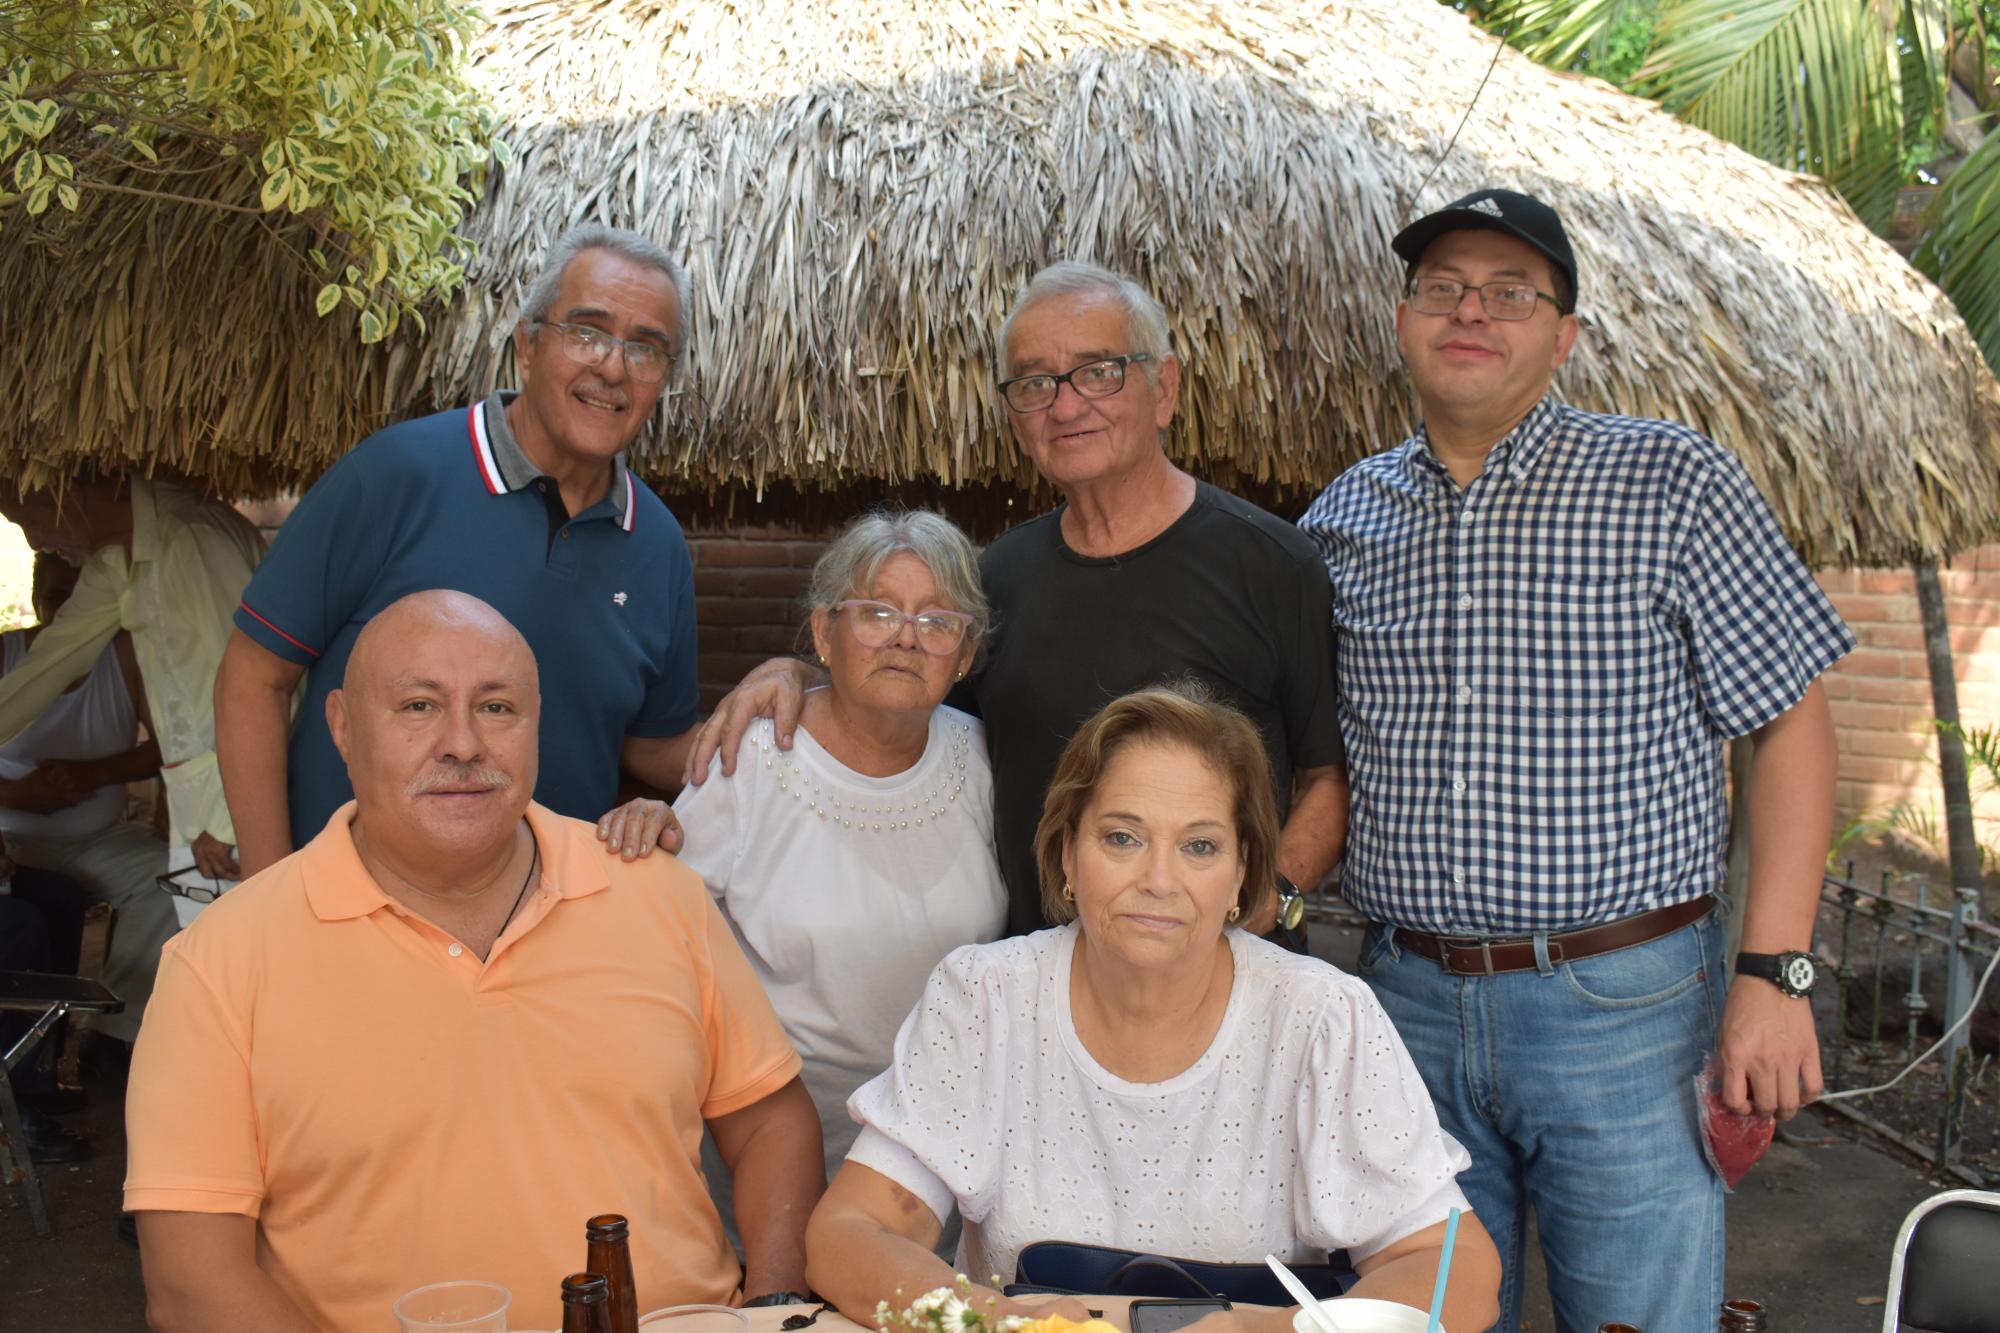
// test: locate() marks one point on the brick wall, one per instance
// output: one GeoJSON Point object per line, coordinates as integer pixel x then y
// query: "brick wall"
{"type": "Point", "coordinates": [1881, 692]}
{"type": "Point", "coordinates": [748, 589]}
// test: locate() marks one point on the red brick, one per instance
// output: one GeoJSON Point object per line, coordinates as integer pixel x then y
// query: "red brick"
{"type": "Point", "coordinates": [1865, 662]}
{"type": "Point", "coordinates": [728, 668]}
{"type": "Point", "coordinates": [804, 555]}
{"type": "Point", "coordinates": [771, 640]}
{"type": "Point", "coordinates": [1972, 611]}
{"type": "Point", "coordinates": [1973, 639]}
{"type": "Point", "coordinates": [739, 555]}
{"type": "Point", "coordinates": [782, 582]}
{"type": "Point", "coordinates": [1865, 608]}
{"type": "Point", "coordinates": [1888, 581]}
{"type": "Point", "coordinates": [1837, 686]}
{"type": "Point", "coordinates": [1838, 580]}
{"type": "Point", "coordinates": [1865, 768]}
{"type": "Point", "coordinates": [1872, 690]}
{"type": "Point", "coordinates": [1907, 638]}
{"type": "Point", "coordinates": [1886, 744]}
{"type": "Point", "coordinates": [711, 582]}
{"type": "Point", "coordinates": [1868, 717]}
{"type": "Point", "coordinates": [743, 611]}
{"type": "Point", "coordinates": [1969, 582]}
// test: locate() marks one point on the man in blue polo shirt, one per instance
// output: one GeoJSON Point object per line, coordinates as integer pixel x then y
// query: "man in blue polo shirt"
{"type": "Point", "coordinates": [523, 501]}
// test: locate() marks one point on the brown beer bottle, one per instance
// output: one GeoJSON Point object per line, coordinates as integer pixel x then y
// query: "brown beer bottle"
{"type": "Point", "coordinates": [583, 1304]}
{"type": "Point", "coordinates": [610, 1253]}
{"type": "Point", "coordinates": [1740, 1316]}
{"type": "Point", "coordinates": [1617, 1328]}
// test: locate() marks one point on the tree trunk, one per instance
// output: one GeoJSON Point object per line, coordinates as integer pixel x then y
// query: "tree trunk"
{"type": "Point", "coordinates": [1960, 836]}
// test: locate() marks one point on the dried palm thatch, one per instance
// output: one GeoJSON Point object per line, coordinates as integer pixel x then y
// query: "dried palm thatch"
{"type": "Point", "coordinates": [858, 187]}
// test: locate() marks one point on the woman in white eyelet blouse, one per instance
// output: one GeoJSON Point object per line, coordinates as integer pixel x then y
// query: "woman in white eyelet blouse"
{"type": "Point", "coordinates": [1145, 1076]}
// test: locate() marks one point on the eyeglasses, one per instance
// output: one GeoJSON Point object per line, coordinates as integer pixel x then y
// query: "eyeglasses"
{"type": "Point", "coordinates": [186, 883]}
{"type": "Point", "coordinates": [877, 624]}
{"type": "Point", "coordinates": [1092, 379]}
{"type": "Point", "coordinates": [1502, 300]}
{"type": "Point", "coordinates": [589, 346]}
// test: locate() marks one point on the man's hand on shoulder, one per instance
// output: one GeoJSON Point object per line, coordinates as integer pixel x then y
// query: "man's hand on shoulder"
{"type": "Point", "coordinates": [636, 827]}
{"type": "Point", "coordinates": [776, 689]}
{"type": "Point", "coordinates": [1769, 1051]}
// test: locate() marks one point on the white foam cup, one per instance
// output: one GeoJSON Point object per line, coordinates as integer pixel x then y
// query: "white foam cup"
{"type": "Point", "coordinates": [1358, 1314]}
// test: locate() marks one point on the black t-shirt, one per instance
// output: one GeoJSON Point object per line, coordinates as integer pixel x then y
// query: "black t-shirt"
{"type": "Point", "coordinates": [1228, 594]}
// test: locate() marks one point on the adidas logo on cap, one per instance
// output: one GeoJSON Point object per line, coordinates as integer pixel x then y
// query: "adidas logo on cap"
{"type": "Point", "coordinates": [1486, 206]}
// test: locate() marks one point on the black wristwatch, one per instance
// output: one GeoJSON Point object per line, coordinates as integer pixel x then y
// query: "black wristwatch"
{"type": "Point", "coordinates": [1792, 972]}
{"type": "Point", "coordinates": [775, 1298]}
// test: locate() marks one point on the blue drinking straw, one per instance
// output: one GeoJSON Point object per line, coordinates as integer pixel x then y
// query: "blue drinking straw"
{"type": "Point", "coordinates": [1444, 1267]}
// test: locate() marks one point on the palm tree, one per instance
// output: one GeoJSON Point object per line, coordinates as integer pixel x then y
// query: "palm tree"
{"type": "Point", "coordinates": [1869, 95]}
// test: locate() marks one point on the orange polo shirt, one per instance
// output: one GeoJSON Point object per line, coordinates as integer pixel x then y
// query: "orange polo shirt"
{"type": "Point", "coordinates": [394, 1112]}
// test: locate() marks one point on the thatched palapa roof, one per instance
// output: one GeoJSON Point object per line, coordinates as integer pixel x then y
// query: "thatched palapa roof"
{"type": "Point", "coordinates": [858, 188]}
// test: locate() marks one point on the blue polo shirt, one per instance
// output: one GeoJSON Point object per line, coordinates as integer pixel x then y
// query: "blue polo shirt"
{"type": "Point", "coordinates": [605, 599]}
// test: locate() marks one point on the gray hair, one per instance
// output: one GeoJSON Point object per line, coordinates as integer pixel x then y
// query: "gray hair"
{"type": "Point", "coordinates": [851, 563]}
{"type": "Point", "coordinates": [1146, 322]}
{"type": "Point", "coordinates": [625, 244]}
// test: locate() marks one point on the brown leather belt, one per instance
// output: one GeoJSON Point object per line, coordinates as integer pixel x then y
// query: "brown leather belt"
{"type": "Point", "coordinates": [1474, 957]}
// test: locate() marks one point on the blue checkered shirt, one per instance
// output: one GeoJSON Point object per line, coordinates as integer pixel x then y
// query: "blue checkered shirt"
{"type": "Point", "coordinates": [1536, 671]}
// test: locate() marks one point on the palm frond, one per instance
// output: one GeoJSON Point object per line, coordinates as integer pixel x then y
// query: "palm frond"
{"type": "Point", "coordinates": [1812, 85]}
{"type": "Point", "coordinates": [1924, 40]}
{"type": "Point", "coordinates": [1961, 249]}
{"type": "Point", "coordinates": [1560, 33]}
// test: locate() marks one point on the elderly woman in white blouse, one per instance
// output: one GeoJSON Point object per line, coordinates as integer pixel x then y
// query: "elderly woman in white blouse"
{"type": "Point", "coordinates": [1145, 1076]}
{"type": "Point", "coordinates": [850, 864]}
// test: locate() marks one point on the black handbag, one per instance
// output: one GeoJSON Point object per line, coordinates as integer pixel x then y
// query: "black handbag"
{"type": "Point", "coordinates": [1069, 1268]}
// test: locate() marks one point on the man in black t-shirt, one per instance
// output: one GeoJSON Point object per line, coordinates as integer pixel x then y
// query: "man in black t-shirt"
{"type": "Point", "coordinates": [1141, 575]}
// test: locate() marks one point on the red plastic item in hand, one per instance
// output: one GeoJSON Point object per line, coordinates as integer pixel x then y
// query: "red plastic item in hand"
{"type": "Point", "coordinates": [1732, 1142]}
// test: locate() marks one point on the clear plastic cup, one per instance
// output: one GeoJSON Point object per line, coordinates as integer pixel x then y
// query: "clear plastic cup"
{"type": "Point", "coordinates": [1358, 1314]}
{"type": "Point", "coordinates": [455, 1307]}
{"type": "Point", "coordinates": [695, 1319]}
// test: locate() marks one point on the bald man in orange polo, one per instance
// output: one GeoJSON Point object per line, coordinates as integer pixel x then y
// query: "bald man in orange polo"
{"type": "Point", "coordinates": [433, 1041]}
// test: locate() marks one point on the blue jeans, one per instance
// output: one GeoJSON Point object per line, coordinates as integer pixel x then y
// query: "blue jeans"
{"type": "Point", "coordinates": [1572, 1088]}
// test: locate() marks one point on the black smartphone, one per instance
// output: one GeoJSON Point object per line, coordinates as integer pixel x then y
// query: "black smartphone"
{"type": "Point", "coordinates": [1167, 1316]}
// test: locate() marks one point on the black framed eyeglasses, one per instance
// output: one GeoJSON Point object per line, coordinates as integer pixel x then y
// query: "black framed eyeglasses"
{"type": "Point", "coordinates": [1092, 379]}
{"type": "Point", "coordinates": [588, 346]}
{"type": "Point", "coordinates": [1502, 300]}
{"type": "Point", "coordinates": [188, 882]}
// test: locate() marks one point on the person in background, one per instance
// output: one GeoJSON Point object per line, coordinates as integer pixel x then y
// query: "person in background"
{"type": "Point", "coordinates": [1549, 620]}
{"type": "Point", "coordinates": [872, 837]}
{"type": "Point", "coordinates": [434, 1040]}
{"type": "Point", "coordinates": [167, 566]}
{"type": "Point", "coordinates": [1141, 574]}
{"type": "Point", "coordinates": [523, 500]}
{"type": "Point", "coordinates": [1149, 1076]}
{"type": "Point", "coordinates": [63, 798]}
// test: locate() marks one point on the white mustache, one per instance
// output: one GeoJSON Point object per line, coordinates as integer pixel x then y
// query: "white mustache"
{"type": "Point", "coordinates": [465, 775]}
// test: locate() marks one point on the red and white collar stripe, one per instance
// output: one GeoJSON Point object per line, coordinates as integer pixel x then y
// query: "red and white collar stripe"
{"type": "Point", "coordinates": [489, 467]}
{"type": "Point", "coordinates": [482, 451]}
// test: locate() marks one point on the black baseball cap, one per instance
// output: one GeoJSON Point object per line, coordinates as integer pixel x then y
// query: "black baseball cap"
{"type": "Point", "coordinates": [1521, 216]}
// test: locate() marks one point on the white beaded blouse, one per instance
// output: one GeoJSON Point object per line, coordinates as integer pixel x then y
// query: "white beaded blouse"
{"type": "Point", "coordinates": [1303, 1128]}
{"type": "Point", "coordinates": [845, 890]}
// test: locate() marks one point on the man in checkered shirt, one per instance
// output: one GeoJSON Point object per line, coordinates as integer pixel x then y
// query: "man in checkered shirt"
{"type": "Point", "coordinates": [1548, 621]}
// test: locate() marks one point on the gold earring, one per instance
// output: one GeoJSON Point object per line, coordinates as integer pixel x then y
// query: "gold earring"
{"type": "Point", "coordinates": [1234, 913]}
{"type": "Point", "coordinates": [1069, 894]}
